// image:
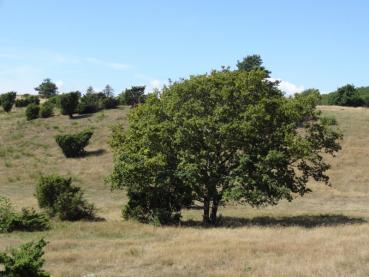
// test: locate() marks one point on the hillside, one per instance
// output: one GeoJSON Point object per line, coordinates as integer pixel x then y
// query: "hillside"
{"type": "Point", "coordinates": [311, 236]}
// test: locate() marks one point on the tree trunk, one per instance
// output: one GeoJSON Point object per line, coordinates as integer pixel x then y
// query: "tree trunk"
{"type": "Point", "coordinates": [214, 210]}
{"type": "Point", "coordinates": [205, 217]}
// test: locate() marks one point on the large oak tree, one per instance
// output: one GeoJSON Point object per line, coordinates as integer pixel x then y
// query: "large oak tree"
{"type": "Point", "coordinates": [219, 137]}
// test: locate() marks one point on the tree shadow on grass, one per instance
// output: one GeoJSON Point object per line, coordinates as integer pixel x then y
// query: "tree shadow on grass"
{"type": "Point", "coordinates": [306, 221]}
{"type": "Point", "coordinates": [95, 153]}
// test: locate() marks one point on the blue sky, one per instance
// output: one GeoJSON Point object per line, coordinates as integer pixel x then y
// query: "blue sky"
{"type": "Point", "coordinates": [321, 44]}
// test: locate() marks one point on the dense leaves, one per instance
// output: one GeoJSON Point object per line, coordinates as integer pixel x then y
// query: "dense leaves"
{"type": "Point", "coordinates": [47, 89]}
{"type": "Point", "coordinates": [25, 261]}
{"type": "Point", "coordinates": [133, 96]}
{"type": "Point", "coordinates": [73, 145]}
{"type": "Point", "coordinates": [69, 102]}
{"type": "Point", "coordinates": [7, 100]}
{"type": "Point", "coordinates": [346, 96]}
{"type": "Point", "coordinates": [60, 198]}
{"type": "Point", "coordinates": [26, 100]}
{"type": "Point", "coordinates": [219, 137]}
{"type": "Point", "coordinates": [26, 220]}
{"type": "Point", "coordinates": [32, 111]}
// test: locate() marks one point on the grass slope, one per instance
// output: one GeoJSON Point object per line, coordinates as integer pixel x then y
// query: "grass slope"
{"type": "Point", "coordinates": [322, 234]}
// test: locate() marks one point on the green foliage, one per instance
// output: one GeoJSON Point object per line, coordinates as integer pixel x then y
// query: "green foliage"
{"type": "Point", "coordinates": [32, 111]}
{"type": "Point", "coordinates": [219, 137]}
{"type": "Point", "coordinates": [91, 102]}
{"type": "Point", "coordinates": [73, 145]}
{"type": "Point", "coordinates": [26, 100]}
{"type": "Point", "coordinates": [46, 110]}
{"type": "Point", "coordinates": [47, 89]}
{"type": "Point", "coordinates": [25, 261]}
{"type": "Point", "coordinates": [252, 62]}
{"type": "Point", "coordinates": [27, 220]}
{"type": "Point", "coordinates": [133, 96]}
{"type": "Point", "coordinates": [7, 100]}
{"type": "Point", "coordinates": [69, 103]}
{"type": "Point", "coordinates": [346, 96]}
{"type": "Point", "coordinates": [110, 103]}
{"type": "Point", "coordinates": [60, 198]}
{"type": "Point", "coordinates": [328, 120]}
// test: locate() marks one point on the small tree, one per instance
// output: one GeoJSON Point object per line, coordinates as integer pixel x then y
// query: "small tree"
{"type": "Point", "coordinates": [47, 89]}
{"type": "Point", "coordinates": [32, 111]}
{"type": "Point", "coordinates": [219, 137]}
{"type": "Point", "coordinates": [7, 100]}
{"type": "Point", "coordinates": [108, 91]}
{"type": "Point", "coordinates": [69, 103]}
{"type": "Point", "coordinates": [133, 96]}
{"type": "Point", "coordinates": [25, 261]}
{"type": "Point", "coordinates": [73, 145]}
{"type": "Point", "coordinates": [60, 198]}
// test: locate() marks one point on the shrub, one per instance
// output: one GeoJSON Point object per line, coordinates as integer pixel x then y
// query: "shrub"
{"type": "Point", "coordinates": [91, 103]}
{"type": "Point", "coordinates": [32, 111]}
{"type": "Point", "coordinates": [26, 100]}
{"type": "Point", "coordinates": [110, 103]}
{"type": "Point", "coordinates": [46, 110]}
{"type": "Point", "coordinates": [60, 198]}
{"type": "Point", "coordinates": [7, 100]}
{"type": "Point", "coordinates": [73, 145]}
{"type": "Point", "coordinates": [69, 103]}
{"type": "Point", "coordinates": [26, 220]}
{"type": "Point", "coordinates": [328, 120]}
{"type": "Point", "coordinates": [24, 261]}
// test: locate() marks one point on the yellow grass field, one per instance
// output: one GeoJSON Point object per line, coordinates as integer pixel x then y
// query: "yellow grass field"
{"type": "Point", "coordinates": [326, 233]}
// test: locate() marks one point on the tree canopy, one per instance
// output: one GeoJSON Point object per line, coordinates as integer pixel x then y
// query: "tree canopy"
{"type": "Point", "coordinates": [47, 89]}
{"type": "Point", "coordinates": [252, 62]}
{"type": "Point", "coordinates": [215, 138]}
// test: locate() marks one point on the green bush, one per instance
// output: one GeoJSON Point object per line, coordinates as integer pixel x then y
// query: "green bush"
{"type": "Point", "coordinates": [73, 145]}
{"type": "Point", "coordinates": [91, 103]}
{"type": "Point", "coordinates": [69, 103]}
{"type": "Point", "coordinates": [46, 110]}
{"type": "Point", "coordinates": [26, 100]}
{"type": "Point", "coordinates": [32, 111]}
{"type": "Point", "coordinates": [61, 199]}
{"type": "Point", "coordinates": [110, 103]}
{"type": "Point", "coordinates": [7, 100]}
{"type": "Point", "coordinates": [27, 220]}
{"type": "Point", "coordinates": [25, 261]}
{"type": "Point", "coordinates": [328, 120]}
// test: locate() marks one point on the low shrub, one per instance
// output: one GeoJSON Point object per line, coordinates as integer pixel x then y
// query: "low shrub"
{"type": "Point", "coordinates": [24, 261]}
{"type": "Point", "coordinates": [27, 220]}
{"type": "Point", "coordinates": [46, 110]}
{"type": "Point", "coordinates": [32, 111]}
{"type": "Point", "coordinates": [60, 198]}
{"type": "Point", "coordinates": [110, 103]}
{"type": "Point", "coordinates": [91, 103]}
{"type": "Point", "coordinates": [26, 100]}
{"type": "Point", "coordinates": [73, 145]}
{"type": "Point", "coordinates": [7, 100]}
{"type": "Point", "coordinates": [328, 120]}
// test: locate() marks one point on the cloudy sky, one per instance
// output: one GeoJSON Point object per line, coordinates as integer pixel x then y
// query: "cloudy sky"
{"type": "Point", "coordinates": [77, 43]}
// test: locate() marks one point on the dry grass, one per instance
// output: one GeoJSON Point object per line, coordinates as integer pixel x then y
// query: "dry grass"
{"type": "Point", "coordinates": [291, 239]}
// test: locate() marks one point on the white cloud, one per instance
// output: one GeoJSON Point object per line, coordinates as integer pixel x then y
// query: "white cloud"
{"type": "Point", "coordinates": [287, 87]}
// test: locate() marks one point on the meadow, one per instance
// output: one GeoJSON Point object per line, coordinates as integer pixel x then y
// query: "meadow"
{"type": "Point", "coordinates": [324, 233]}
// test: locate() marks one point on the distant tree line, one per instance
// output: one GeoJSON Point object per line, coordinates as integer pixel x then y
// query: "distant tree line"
{"type": "Point", "coordinates": [348, 95]}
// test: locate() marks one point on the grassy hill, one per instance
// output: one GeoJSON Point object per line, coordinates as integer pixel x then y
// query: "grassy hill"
{"type": "Point", "coordinates": [322, 234]}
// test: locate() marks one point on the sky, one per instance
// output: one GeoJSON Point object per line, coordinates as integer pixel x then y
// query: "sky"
{"type": "Point", "coordinates": [78, 43]}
